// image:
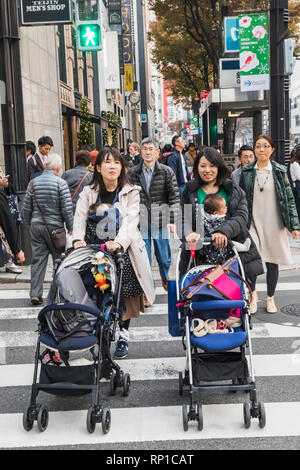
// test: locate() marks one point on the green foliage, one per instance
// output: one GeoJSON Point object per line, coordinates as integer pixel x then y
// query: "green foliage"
{"type": "Point", "coordinates": [86, 134]}
{"type": "Point", "coordinates": [114, 122]}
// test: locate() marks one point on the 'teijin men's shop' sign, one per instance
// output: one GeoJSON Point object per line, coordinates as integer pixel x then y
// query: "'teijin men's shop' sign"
{"type": "Point", "coordinates": [35, 12]}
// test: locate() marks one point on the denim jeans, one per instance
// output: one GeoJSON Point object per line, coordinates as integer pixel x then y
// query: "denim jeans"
{"type": "Point", "coordinates": [162, 249]}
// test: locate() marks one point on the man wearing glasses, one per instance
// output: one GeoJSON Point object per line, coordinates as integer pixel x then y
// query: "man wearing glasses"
{"type": "Point", "coordinates": [246, 155]}
{"type": "Point", "coordinates": [159, 204]}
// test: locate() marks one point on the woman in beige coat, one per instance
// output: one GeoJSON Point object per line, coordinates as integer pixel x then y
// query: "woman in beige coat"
{"type": "Point", "coordinates": [111, 188]}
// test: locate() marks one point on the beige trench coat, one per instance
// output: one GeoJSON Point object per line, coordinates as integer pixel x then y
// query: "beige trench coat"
{"type": "Point", "coordinates": [129, 235]}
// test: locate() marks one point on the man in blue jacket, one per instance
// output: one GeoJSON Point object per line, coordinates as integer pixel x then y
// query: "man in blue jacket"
{"type": "Point", "coordinates": [177, 162]}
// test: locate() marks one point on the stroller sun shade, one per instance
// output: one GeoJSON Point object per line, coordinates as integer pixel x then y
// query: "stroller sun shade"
{"type": "Point", "coordinates": [81, 257]}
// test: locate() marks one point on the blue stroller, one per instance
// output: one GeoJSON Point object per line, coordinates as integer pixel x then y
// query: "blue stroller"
{"type": "Point", "coordinates": [80, 319]}
{"type": "Point", "coordinates": [216, 326]}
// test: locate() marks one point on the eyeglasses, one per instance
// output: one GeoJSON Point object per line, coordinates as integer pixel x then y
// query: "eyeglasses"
{"type": "Point", "coordinates": [148, 149]}
{"type": "Point", "coordinates": [265, 147]}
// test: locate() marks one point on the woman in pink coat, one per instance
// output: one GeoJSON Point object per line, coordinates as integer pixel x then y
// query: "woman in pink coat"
{"type": "Point", "coordinates": [111, 190]}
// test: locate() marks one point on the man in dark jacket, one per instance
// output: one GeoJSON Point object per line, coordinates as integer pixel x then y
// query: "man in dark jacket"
{"type": "Point", "coordinates": [35, 163]}
{"type": "Point", "coordinates": [159, 204]}
{"type": "Point", "coordinates": [79, 176]}
{"type": "Point", "coordinates": [177, 162]}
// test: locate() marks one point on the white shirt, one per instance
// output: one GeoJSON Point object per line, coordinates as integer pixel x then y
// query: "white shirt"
{"type": "Point", "coordinates": [183, 167]}
{"type": "Point", "coordinates": [295, 171]}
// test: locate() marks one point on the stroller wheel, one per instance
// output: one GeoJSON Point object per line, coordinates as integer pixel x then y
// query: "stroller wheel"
{"type": "Point", "coordinates": [185, 417]}
{"type": "Point", "coordinates": [91, 420]}
{"type": "Point", "coordinates": [126, 385]}
{"type": "Point", "coordinates": [180, 384]}
{"type": "Point", "coordinates": [27, 419]}
{"type": "Point", "coordinates": [43, 418]}
{"type": "Point", "coordinates": [112, 384]}
{"type": "Point", "coordinates": [199, 416]}
{"type": "Point", "coordinates": [247, 415]}
{"type": "Point", "coordinates": [106, 420]}
{"type": "Point", "coordinates": [261, 415]}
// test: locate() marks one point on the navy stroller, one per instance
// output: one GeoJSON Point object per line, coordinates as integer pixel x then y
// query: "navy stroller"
{"type": "Point", "coordinates": [79, 320]}
{"type": "Point", "coordinates": [215, 360]}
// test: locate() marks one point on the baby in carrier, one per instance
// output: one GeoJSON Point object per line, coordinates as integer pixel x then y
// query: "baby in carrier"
{"type": "Point", "coordinates": [214, 214]}
{"type": "Point", "coordinates": [102, 223]}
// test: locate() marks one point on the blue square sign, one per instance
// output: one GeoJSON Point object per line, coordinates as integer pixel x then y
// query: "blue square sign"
{"type": "Point", "coordinates": [231, 34]}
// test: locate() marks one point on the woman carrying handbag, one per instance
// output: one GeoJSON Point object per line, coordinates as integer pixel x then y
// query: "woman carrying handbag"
{"type": "Point", "coordinates": [272, 212]}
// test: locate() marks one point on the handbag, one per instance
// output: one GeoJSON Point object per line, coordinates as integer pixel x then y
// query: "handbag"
{"type": "Point", "coordinates": [217, 282]}
{"type": "Point", "coordinates": [58, 236]}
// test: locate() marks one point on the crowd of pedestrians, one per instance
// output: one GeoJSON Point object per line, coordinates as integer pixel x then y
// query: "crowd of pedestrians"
{"type": "Point", "coordinates": [150, 194]}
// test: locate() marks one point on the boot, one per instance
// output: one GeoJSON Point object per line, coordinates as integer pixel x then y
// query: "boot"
{"type": "Point", "coordinates": [253, 304]}
{"type": "Point", "coordinates": [270, 305]}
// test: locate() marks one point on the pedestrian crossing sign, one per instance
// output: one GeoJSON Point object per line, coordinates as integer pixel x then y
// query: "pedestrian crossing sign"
{"type": "Point", "coordinates": [89, 37]}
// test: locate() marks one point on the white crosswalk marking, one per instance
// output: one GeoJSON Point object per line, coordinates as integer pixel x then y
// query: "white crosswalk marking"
{"type": "Point", "coordinates": [145, 418]}
{"type": "Point", "coordinates": [162, 368]}
{"type": "Point", "coordinates": [151, 424]}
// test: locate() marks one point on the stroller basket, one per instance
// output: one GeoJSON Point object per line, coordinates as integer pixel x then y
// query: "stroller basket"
{"type": "Point", "coordinates": [214, 367]}
{"type": "Point", "coordinates": [64, 381]}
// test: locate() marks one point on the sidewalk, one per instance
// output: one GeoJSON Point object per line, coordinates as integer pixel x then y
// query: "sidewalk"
{"type": "Point", "coordinates": [25, 276]}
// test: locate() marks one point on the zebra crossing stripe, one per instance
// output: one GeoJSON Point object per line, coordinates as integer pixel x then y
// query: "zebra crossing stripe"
{"type": "Point", "coordinates": [142, 424]}
{"type": "Point", "coordinates": [14, 294]}
{"type": "Point", "coordinates": [18, 339]}
{"type": "Point", "coordinates": [265, 365]}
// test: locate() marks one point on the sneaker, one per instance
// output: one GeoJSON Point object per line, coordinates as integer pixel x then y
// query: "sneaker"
{"type": "Point", "coordinates": [12, 268]}
{"type": "Point", "coordinates": [253, 304]}
{"type": "Point", "coordinates": [121, 349]}
{"type": "Point", "coordinates": [36, 300]}
{"type": "Point", "coordinates": [270, 305]}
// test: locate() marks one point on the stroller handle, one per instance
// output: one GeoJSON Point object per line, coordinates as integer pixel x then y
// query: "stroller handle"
{"type": "Point", "coordinates": [209, 240]}
{"type": "Point", "coordinates": [70, 306]}
{"type": "Point", "coordinates": [205, 241]}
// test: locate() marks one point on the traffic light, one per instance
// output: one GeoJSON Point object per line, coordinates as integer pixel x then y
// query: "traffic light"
{"type": "Point", "coordinates": [289, 59]}
{"type": "Point", "coordinates": [88, 25]}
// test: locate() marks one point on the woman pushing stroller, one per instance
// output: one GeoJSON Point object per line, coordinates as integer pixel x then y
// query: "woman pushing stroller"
{"type": "Point", "coordinates": [212, 176]}
{"type": "Point", "coordinates": [115, 196]}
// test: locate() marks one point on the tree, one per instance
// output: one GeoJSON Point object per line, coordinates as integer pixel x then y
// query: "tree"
{"type": "Point", "coordinates": [86, 133]}
{"type": "Point", "coordinates": [184, 65]}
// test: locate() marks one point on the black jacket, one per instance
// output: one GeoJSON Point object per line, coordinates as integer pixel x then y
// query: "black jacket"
{"type": "Point", "coordinates": [234, 227]}
{"type": "Point", "coordinates": [163, 191]}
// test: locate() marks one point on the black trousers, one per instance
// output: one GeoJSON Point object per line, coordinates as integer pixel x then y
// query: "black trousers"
{"type": "Point", "coordinates": [9, 227]}
{"type": "Point", "coordinates": [272, 279]}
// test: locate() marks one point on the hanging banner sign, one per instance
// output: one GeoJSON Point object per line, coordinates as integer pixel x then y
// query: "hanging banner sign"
{"type": "Point", "coordinates": [231, 34]}
{"type": "Point", "coordinates": [37, 12]}
{"type": "Point", "coordinates": [127, 45]}
{"type": "Point", "coordinates": [128, 78]}
{"type": "Point", "coordinates": [254, 52]}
